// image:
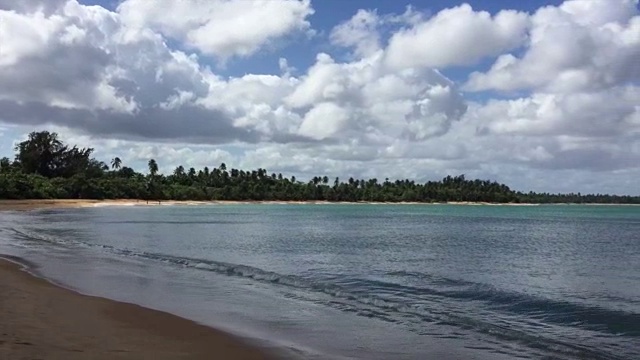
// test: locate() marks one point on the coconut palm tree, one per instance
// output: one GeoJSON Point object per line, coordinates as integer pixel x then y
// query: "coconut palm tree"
{"type": "Point", "coordinates": [153, 167]}
{"type": "Point", "coordinates": [116, 163]}
{"type": "Point", "coordinates": [179, 171]}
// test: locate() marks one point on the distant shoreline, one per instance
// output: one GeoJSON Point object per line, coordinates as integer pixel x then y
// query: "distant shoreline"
{"type": "Point", "coordinates": [26, 205]}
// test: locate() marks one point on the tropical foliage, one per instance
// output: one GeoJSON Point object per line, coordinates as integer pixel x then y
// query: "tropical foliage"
{"type": "Point", "coordinates": [46, 168]}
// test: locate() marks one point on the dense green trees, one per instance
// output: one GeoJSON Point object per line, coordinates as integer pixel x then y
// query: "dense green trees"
{"type": "Point", "coordinates": [46, 168]}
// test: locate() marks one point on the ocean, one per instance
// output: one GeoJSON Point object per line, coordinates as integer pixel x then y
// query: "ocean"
{"type": "Point", "coordinates": [359, 281]}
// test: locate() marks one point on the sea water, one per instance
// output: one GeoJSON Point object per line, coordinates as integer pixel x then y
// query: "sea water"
{"type": "Point", "coordinates": [341, 281]}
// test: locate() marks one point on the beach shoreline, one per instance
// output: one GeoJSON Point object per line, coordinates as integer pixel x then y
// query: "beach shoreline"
{"type": "Point", "coordinates": [39, 332]}
{"type": "Point", "coordinates": [26, 205]}
{"type": "Point", "coordinates": [36, 204]}
{"type": "Point", "coordinates": [42, 320]}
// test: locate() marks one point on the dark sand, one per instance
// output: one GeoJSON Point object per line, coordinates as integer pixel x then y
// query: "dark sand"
{"type": "Point", "coordinates": [39, 320]}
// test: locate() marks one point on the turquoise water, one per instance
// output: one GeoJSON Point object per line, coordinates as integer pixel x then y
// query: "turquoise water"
{"type": "Point", "coordinates": [363, 281]}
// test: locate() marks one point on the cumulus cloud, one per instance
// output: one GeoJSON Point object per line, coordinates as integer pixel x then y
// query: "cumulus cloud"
{"type": "Point", "coordinates": [82, 67]}
{"type": "Point", "coordinates": [40, 54]}
{"type": "Point", "coordinates": [457, 36]}
{"type": "Point", "coordinates": [45, 6]}
{"type": "Point", "coordinates": [220, 27]}
{"type": "Point", "coordinates": [577, 83]}
{"type": "Point", "coordinates": [363, 32]}
{"type": "Point", "coordinates": [359, 32]}
{"type": "Point", "coordinates": [380, 104]}
{"type": "Point", "coordinates": [324, 120]}
{"type": "Point", "coordinates": [576, 46]}
{"type": "Point", "coordinates": [113, 78]}
{"type": "Point", "coordinates": [606, 114]}
{"type": "Point", "coordinates": [109, 79]}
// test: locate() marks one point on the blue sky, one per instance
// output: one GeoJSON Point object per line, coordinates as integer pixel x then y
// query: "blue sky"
{"type": "Point", "coordinates": [533, 92]}
{"type": "Point", "coordinates": [329, 13]}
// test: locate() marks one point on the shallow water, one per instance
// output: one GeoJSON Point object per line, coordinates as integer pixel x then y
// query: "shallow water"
{"type": "Point", "coordinates": [363, 281]}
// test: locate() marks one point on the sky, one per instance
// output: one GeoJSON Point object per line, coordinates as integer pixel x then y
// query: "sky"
{"type": "Point", "coordinates": [540, 95]}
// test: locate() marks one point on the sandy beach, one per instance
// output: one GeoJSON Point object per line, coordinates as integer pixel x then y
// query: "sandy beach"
{"type": "Point", "coordinates": [42, 321]}
{"type": "Point", "coordinates": [25, 205]}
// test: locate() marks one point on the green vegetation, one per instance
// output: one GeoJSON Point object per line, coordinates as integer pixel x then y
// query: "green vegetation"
{"type": "Point", "coordinates": [45, 168]}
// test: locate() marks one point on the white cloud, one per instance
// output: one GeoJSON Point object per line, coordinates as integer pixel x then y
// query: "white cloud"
{"type": "Point", "coordinates": [139, 87]}
{"type": "Point", "coordinates": [324, 120]}
{"type": "Point", "coordinates": [577, 46]}
{"type": "Point", "coordinates": [46, 6]}
{"type": "Point", "coordinates": [126, 83]}
{"type": "Point", "coordinates": [359, 32]}
{"type": "Point", "coordinates": [578, 104]}
{"type": "Point", "coordinates": [41, 54]}
{"type": "Point", "coordinates": [218, 27]}
{"type": "Point", "coordinates": [607, 113]}
{"type": "Point", "coordinates": [456, 36]}
{"type": "Point", "coordinates": [91, 71]}
{"type": "Point", "coordinates": [381, 104]}
{"type": "Point", "coordinates": [363, 32]}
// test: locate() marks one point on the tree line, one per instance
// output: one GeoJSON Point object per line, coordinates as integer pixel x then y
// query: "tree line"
{"type": "Point", "coordinates": [46, 168]}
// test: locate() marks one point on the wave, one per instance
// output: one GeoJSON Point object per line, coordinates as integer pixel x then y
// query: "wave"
{"type": "Point", "coordinates": [169, 222]}
{"type": "Point", "coordinates": [364, 299]}
{"type": "Point", "coordinates": [38, 237]}
{"type": "Point", "coordinates": [600, 319]}
{"type": "Point", "coordinates": [554, 311]}
{"type": "Point", "coordinates": [447, 302]}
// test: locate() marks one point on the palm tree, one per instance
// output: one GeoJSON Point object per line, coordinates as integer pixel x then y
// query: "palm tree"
{"type": "Point", "coordinates": [116, 163]}
{"type": "Point", "coordinates": [153, 167]}
{"type": "Point", "coordinates": [179, 171]}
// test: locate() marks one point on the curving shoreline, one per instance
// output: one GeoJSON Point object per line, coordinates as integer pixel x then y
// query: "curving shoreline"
{"type": "Point", "coordinates": [13, 344]}
{"type": "Point", "coordinates": [42, 320]}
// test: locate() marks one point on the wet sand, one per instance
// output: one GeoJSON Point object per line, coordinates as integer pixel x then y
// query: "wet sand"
{"type": "Point", "coordinates": [39, 320]}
